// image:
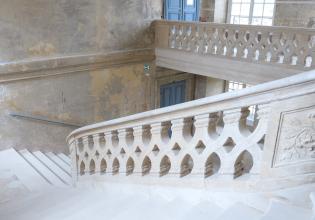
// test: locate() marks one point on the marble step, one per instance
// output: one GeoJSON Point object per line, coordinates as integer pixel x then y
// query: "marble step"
{"type": "Point", "coordinates": [41, 168]}
{"type": "Point", "coordinates": [282, 210]}
{"type": "Point", "coordinates": [65, 158]}
{"type": "Point", "coordinates": [240, 211]}
{"type": "Point", "coordinates": [60, 173]}
{"type": "Point", "coordinates": [12, 161]}
{"type": "Point", "coordinates": [63, 165]}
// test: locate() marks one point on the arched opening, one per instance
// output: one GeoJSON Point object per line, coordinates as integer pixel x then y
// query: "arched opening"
{"type": "Point", "coordinates": [82, 168]}
{"type": "Point", "coordinates": [115, 166]}
{"type": "Point", "coordinates": [186, 166]}
{"type": "Point", "coordinates": [103, 166]}
{"type": "Point", "coordinates": [146, 166]}
{"type": "Point", "coordinates": [165, 166]}
{"type": "Point", "coordinates": [92, 167]}
{"type": "Point", "coordinates": [212, 165]}
{"type": "Point", "coordinates": [243, 164]}
{"type": "Point", "coordinates": [130, 166]}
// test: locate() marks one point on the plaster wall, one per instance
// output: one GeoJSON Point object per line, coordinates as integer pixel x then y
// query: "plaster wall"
{"type": "Point", "coordinates": [41, 28]}
{"type": "Point", "coordinates": [208, 86]}
{"type": "Point", "coordinates": [80, 98]}
{"type": "Point", "coordinates": [294, 13]}
{"type": "Point", "coordinates": [37, 30]}
{"type": "Point", "coordinates": [213, 10]}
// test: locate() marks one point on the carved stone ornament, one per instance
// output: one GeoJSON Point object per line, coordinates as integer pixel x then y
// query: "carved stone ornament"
{"type": "Point", "coordinates": [296, 137]}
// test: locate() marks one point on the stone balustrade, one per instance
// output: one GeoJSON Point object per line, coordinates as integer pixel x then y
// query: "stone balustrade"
{"type": "Point", "coordinates": [207, 139]}
{"type": "Point", "coordinates": [278, 45]}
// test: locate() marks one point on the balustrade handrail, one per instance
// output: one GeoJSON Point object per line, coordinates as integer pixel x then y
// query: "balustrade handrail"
{"type": "Point", "coordinates": [245, 26]}
{"type": "Point", "coordinates": [211, 138]}
{"type": "Point", "coordinates": [258, 94]}
{"type": "Point", "coordinates": [289, 47]}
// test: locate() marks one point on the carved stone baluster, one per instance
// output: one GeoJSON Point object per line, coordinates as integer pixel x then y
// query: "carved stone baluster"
{"type": "Point", "coordinates": [96, 151]}
{"type": "Point", "coordinates": [263, 112]}
{"type": "Point", "coordinates": [288, 47]}
{"type": "Point", "coordinates": [197, 42]}
{"type": "Point", "coordinates": [201, 125]}
{"type": "Point", "coordinates": [263, 46]}
{"type": "Point", "coordinates": [232, 119]}
{"type": "Point", "coordinates": [251, 45]}
{"type": "Point", "coordinates": [212, 39]}
{"type": "Point", "coordinates": [230, 42]}
{"type": "Point", "coordinates": [111, 150]}
{"type": "Point", "coordinates": [108, 139]}
{"type": "Point", "coordinates": [160, 135]}
{"type": "Point", "coordinates": [138, 133]}
{"type": "Point", "coordinates": [86, 153]}
{"type": "Point", "coordinates": [172, 37]}
{"type": "Point", "coordinates": [177, 36]}
{"type": "Point", "coordinates": [74, 163]}
{"type": "Point", "coordinates": [220, 41]}
{"type": "Point", "coordinates": [96, 141]}
{"type": "Point", "coordinates": [85, 143]}
{"type": "Point", "coordinates": [160, 132]}
{"type": "Point", "coordinates": [122, 136]}
{"type": "Point", "coordinates": [181, 129]}
{"type": "Point", "coordinates": [187, 40]}
{"type": "Point", "coordinates": [276, 47]}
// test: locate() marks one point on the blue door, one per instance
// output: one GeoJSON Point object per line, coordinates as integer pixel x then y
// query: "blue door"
{"type": "Point", "coordinates": [172, 93]}
{"type": "Point", "coordinates": [173, 10]}
{"type": "Point", "coordinates": [182, 10]}
{"type": "Point", "coordinates": [190, 10]}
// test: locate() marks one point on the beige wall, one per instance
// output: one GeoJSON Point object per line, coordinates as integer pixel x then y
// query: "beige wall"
{"type": "Point", "coordinates": [213, 10]}
{"type": "Point", "coordinates": [36, 30]}
{"type": "Point", "coordinates": [207, 86]}
{"type": "Point", "coordinates": [77, 98]}
{"type": "Point", "coordinates": [46, 28]}
{"type": "Point", "coordinates": [294, 13]}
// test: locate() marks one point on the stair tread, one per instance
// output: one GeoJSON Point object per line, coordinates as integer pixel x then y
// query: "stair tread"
{"type": "Point", "coordinates": [30, 178]}
{"type": "Point", "coordinates": [66, 167]}
{"type": "Point", "coordinates": [281, 210]}
{"type": "Point", "coordinates": [240, 211]}
{"type": "Point", "coordinates": [65, 158]}
{"type": "Point", "coordinates": [41, 168]}
{"type": "Point", "coordinates": [53, 167]}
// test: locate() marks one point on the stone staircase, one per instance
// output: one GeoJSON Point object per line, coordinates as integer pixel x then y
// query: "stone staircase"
{"type": "Point", "coordinates": [141, 203]}
{"type": "Point", "coordinates": [37, 185]}
{"type": "Point", "coordinates": [33, 171]}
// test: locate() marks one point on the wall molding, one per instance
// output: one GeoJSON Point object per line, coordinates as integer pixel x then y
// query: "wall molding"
{"type": "Point", "coordinates": [38, 68]}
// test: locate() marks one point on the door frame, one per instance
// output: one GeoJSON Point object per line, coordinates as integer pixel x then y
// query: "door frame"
{"type": "Point", "coordinates": [182, 9]}
{"type": "Point", "coordinates": [189, 88]}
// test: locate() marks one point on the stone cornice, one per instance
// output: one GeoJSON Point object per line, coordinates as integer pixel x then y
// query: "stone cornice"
{"type": "Point", "coordinates": [37, 68]}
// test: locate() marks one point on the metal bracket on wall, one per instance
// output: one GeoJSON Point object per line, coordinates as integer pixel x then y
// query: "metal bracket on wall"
{"type": "Point", "coordinates": [27, 116]}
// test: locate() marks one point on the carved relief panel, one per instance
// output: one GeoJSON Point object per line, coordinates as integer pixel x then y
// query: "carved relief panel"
{"type": "Point", "coordinates": [296, 137]}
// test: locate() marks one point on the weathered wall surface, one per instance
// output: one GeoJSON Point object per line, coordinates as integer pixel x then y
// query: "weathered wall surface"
{"type": "Point", "coordinates": [293, 13]}
{"type": "Point", "coordinates": [36, 30]}
{"type": "Point", "coordinates": [78, 98]}
{"type": "Point", "coordinates": [207, 86]}
{"type": "Point", "coordinates": [41, 28]}
{"type": "Point", "coordinates": [213, 10]}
